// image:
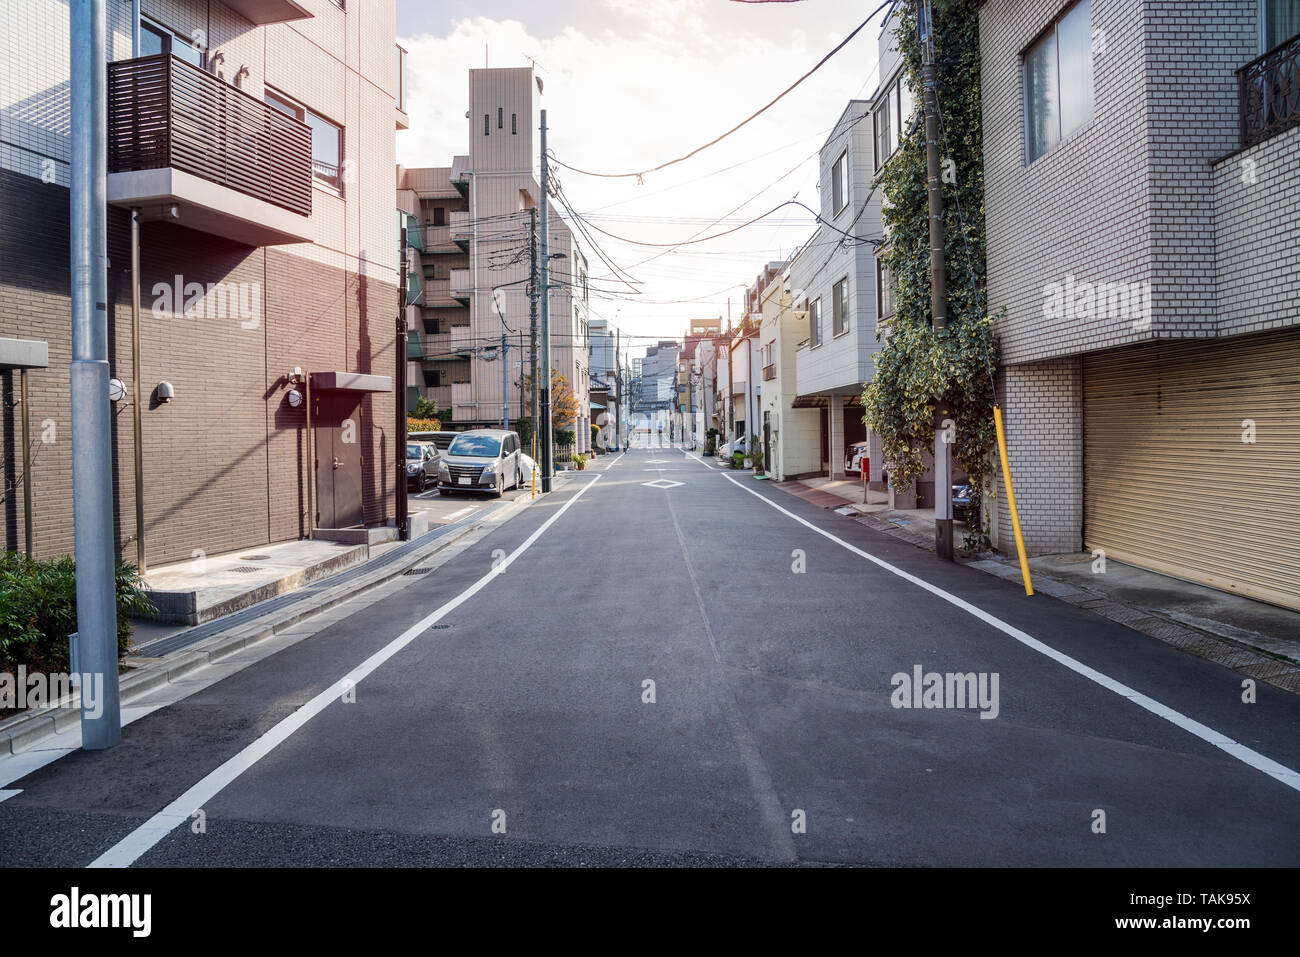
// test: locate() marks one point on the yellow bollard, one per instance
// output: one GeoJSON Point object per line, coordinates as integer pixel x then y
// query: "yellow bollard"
{"type": "Point", "coordinates": [1011, 500]}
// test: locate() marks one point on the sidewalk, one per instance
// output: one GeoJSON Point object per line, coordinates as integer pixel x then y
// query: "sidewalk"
{"type": "Point", "coordinates": [1252, 638]}
{"type": "Point", "coordinates": [167, 656]}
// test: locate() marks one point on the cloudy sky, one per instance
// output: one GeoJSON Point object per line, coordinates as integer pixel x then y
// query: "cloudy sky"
{"type": "Point", "coordinates": [632, 83]}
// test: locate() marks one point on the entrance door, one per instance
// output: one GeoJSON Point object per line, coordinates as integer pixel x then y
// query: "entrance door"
{"type": "Point", "coordinates": [336, 426]}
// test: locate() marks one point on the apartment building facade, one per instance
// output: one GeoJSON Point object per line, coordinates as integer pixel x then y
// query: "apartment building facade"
{"type": "Point", "coordinates": [791, 436]}
{"type": "Point", "coordinates": [1142, 204]}
{"type": "Point", "coordinates": [478, 225]}
{"type": "Point", "coordinates": [268, 268]}
{"type": "Point", "coordinates": [839, 294]}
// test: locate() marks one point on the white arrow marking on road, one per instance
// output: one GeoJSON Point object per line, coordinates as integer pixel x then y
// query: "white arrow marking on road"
{"type": "Point", "coordinates": [1273, 769]}
{"type": "Point", "coordinates": [128, 850]}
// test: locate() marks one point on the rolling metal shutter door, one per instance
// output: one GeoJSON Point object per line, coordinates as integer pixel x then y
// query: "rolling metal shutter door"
{"type": "Point", "coordinates": [1170, 485]}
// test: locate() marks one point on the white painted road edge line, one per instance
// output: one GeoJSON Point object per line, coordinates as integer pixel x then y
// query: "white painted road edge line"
{"type": "Point", "coordinates": [615, 462]}
{"type": "Point", "coordinates": [128, 850]}
{"type": "Point", "coordinates": [1273, 769]}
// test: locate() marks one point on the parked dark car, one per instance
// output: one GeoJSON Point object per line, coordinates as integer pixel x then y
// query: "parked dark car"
{"type": "Point", "coordinates": [422, 459]}
{"type": "Point", "coordinates": [964, 506]}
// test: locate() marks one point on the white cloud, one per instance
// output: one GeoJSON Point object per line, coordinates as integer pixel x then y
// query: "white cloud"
{"type": "Point", "coordinates": [641, 83]}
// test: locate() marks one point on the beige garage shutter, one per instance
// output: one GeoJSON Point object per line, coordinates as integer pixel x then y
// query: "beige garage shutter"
{"type": "Point", "coordinates": [1172, 479]}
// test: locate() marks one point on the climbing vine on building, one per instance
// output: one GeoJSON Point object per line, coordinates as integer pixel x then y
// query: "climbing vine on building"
{"type": "Point", "coordinates": [916, 364]}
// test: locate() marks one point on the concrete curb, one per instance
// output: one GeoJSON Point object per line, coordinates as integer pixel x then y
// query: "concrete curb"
{"type": "Point", "coordinates": [1238, 656]}
{"type": "Point", "coordinates": [26, 731]}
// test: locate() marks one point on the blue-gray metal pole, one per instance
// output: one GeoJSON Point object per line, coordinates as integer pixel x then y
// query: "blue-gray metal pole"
{"type": "Point", "coordinates": [548, 458]}
{"type": "Point", "coordinates": [135, 28]}
{"type": "Point", "coordinates": [92, 462]}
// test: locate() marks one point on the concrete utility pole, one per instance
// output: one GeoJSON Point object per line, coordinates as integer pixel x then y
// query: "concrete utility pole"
{"type": "Point", "coordinates": [938, 281]}
{"type": "Point", "coordinates": [92, 460]}
{"type": "Point", "coordinates": [544, 425]}
{"type": "Point", "coordinates": [533, 293]}
{"type": "Point", "coordinates": [399, 404]}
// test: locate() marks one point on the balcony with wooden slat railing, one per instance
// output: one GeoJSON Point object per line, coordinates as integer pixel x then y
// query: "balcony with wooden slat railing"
{"type": "Point", "coordinates": [183, 144]}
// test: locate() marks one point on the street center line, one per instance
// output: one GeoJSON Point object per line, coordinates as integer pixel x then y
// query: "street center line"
{"type": "Point", "coordinates": [1273, 769]}
{"type": "Point", "coordinates": [128, 850]}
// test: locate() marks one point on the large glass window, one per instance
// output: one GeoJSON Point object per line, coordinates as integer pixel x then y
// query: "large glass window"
{"type": "Point", "coordinates": [892, 119]}
{"type": "Point", "coordinates": [326, 139]}
{"type": "Point", "coordinates": [1281, 21]}
{"type": "Point", "coordinates": [840, 307]}
{"type": "Point", "coordinates": [814, 323]}
{"type": "Point", "coordinates": [1058, 81]}
{"type": "Point", "coordinates": [156, 39]}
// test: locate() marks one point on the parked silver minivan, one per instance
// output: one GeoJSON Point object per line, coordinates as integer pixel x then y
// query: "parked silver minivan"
{"type": "Point", "coordinates": [482, 460]}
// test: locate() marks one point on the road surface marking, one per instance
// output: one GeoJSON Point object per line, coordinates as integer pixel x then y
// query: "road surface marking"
{"type": "Point", "coordinates": [615, 462]}
{"type": "Point", "coordinates": [1273, 769]}
{"type": "Point", "coordinates": [6, 795]}
{"type": "Point", "coordinates": [128, 850]}
{"type": "Point", "coordinates": [459, 512]}
{"type": "Point", "coordinates": [662, 483]}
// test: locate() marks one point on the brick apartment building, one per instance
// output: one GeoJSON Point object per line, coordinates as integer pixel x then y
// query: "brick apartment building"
{"type": "Point", "coordinates": [1143, 208]}
{"type": "Point", "coordinates": [477, 220]}
{"type": "Point", "coordinates": [256, 138]}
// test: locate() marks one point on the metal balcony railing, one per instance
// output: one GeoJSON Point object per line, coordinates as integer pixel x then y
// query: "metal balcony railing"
{"type": "Point", "coordinates": [1268, 90]}
{"type": "Point", "coordinates": [164, 112]}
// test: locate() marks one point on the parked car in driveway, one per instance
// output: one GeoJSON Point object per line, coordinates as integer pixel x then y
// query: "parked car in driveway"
{"type": "Point", "coordinates": [481, 460]}
{"type": "Point", "coordinates": [422, 460]}
{"type": "Point", "coordinates": [963, 503]}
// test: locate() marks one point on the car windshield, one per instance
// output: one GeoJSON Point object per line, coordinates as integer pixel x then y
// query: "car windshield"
{"type": "Point", "coordinates": [475, 445]}
{"type": "Point", "coordinates": [415, 451]}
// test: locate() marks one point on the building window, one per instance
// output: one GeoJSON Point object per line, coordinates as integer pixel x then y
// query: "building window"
{"type": "Point", "coordinates": [487, 129]}
{"type": "Point", "coordinates": [840, 307]}
{"type": "Point", "coordinates": [440, 215]}
{"type": "Point", "coordinates": [326, 138]}
{"type": "Point", "coordinates": [893, 118]}
{"type": "Point", "coordinates": [432, 378]}
{"type": "Point", "coordinates": [401, 79]}
{"type": "Point", "coordinates": [1281, 21]}
{"type": "Point", "coordinates": [1058, 81]}
{"type": "Point", "coordinates": [884, 291]}
{"type": "Point", "coordinates": [514, 124]}
{"type": "Point", "coordinates": [501, 118]}
{"type": "Point", "coordinates": [156, 38]}
{"type": "Point", "coordinates": [814, 324]}
{"type": "Point", "coordinates": [840, 183]}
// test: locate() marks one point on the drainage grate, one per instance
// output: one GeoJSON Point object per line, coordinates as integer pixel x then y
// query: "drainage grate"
{"type": "Point", "coordinates": [245, 570]}
{"type": "Point", "coordinates": [417, 571]}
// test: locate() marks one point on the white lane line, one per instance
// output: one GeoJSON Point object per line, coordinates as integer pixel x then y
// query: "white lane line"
{"type": "Point", "coordinates": [6, 795]}
{"type": "Point", "coordinates": [615, 462]}
{"type": "Point", "coordinates": [1273, 769]}
{"type": "Point", "coordinates": [459, 512]}
{"type": "Point", "coordinates": [128, 850]}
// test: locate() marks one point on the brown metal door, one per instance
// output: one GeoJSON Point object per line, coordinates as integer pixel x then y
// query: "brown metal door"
{"type": "Point", "coordinates": [336, 422]}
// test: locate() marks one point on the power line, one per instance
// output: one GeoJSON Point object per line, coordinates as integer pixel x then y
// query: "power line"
{"type": "Point", "coordinates": [640, 175]}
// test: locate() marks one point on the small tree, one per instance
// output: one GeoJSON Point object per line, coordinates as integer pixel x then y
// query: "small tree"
{"type": "Point", "coordinates": [755, 452]}
{"type": "Point", "coordinates": [564, 404]}
{"type": "Point", "coordinates": [424, 409]}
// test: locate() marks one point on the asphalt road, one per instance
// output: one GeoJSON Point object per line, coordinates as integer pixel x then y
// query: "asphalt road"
{"type": "Point", "coordinates": [502, 714]}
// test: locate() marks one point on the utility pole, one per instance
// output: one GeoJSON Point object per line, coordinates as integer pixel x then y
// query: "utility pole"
{"type": "Point", "coordinates": [544, 415]}
{"type": "Point", "coordinates": [505, 380]}
{"type": "Point", "coordinates": [938, 282]}
{"type": "Point", "coordinates": [92, 461]}
{"type": "Point", "coordinates": [533, 293]}
{"type": "Point", "coordinates": [399, 404]}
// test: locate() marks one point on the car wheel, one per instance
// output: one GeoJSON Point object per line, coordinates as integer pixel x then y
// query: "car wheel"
{"type": "Point", "coordinates": [499, 487]}
{"type": "Point", "coordinates": [421, 483]}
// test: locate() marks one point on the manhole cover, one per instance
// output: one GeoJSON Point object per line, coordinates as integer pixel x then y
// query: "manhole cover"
{"type": "Point", "coordinates": [254, 558]}
{"type": "Point", "coordinates": [244, 570]}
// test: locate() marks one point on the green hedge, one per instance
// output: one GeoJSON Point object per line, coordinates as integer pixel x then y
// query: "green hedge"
{"type": "Point", "coordinates": [38, 610]}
